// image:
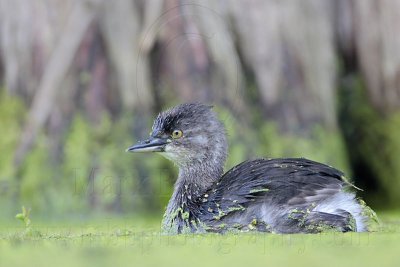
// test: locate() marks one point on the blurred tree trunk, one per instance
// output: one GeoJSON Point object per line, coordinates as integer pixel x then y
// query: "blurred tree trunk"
{"type": "Point", "coordinates": [54, 73]}
{"type": "Point", "coordinates": [378, 41]}
{"type": "Point", "coordinates": [28, 35]}
{"type": "Point", "coordinates": [197, 57]}
{"type": "Point", "coordinates": [288, 45]}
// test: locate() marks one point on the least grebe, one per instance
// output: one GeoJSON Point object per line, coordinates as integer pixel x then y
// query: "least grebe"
{"type": "Point", "coordinates": [285, 195]}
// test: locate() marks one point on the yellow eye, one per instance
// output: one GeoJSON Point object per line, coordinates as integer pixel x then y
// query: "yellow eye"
{"type": "Point", "coordinates": [177, 134]}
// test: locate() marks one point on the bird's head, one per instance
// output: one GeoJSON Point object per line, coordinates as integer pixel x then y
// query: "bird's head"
{"type": "Point", "coordinates": [187, 134]}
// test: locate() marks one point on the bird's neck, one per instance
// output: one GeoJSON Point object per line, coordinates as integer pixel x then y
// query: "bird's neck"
{"type": "Point", "coordinates": [201, 175]}
{"type": "Point", "coordinates": [192, 183]}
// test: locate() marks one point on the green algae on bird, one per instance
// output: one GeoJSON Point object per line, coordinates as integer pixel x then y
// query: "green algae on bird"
{"type": "Point", "coordinates": [257, 190]}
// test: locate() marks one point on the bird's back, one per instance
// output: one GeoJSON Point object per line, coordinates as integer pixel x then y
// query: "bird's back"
{"type": "Point", "coordinates": [282, 195]}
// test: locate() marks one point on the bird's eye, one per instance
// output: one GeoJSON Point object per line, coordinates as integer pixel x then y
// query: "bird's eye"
{"type": "Point", "coordinates": [177, 134]}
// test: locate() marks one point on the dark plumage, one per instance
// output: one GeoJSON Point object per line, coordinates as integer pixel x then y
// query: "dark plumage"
{"type": "Point", "coordinates": [274, 195]}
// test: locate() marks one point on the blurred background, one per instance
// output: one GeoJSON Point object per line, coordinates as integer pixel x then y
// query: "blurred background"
{"type": "Point", "coordinates": [81, 80]}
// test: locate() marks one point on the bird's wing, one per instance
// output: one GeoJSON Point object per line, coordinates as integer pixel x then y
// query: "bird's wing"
{"type": "Point", "coordinates": [293, 182]}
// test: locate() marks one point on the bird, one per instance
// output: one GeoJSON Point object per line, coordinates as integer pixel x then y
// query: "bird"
{"type": "Point", "coordinates": [278, 195]}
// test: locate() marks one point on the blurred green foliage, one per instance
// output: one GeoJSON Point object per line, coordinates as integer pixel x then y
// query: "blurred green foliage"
{"type": "Point", "coordinates": [266, 141]}
{"type": "Point", "coordinates": [323, 145]}
{"type": "Point", "coordinates": [373, 140]}
{"type": "Point", "coordinates": [12, 113]}
{"type": "Point", "coordinates": [94, 174]}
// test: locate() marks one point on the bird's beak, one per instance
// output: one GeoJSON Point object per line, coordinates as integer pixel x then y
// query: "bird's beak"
{"type": "Point", "coordinates": [153, 144]}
